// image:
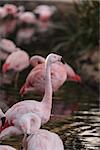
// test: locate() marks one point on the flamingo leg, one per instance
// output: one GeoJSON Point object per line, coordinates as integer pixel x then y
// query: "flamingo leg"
{"type": "Point", "coordinates": [10, 131]}
{"type": "Point", "coordinates": [16, 80]}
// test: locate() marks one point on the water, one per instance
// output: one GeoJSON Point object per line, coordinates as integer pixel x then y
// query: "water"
{"type": "Point", "coordinates": [75, 115]}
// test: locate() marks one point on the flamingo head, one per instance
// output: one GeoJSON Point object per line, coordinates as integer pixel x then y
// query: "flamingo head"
{"type": "Point", "coordinates": [52, 58]}
{"type": "Point", "coordinates": [10, 9]}
{"type": "Point", "coordinates": [5, 67]}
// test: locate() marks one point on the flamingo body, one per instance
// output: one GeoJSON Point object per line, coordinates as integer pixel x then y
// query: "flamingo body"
{"type": "Point", "coordinates": [36, 79]}
{"type": "Point", "coordinates": [44, 140]}
{"type": "Point", "coordinates": [21, 108]}
{"type": "Point", "coordinates": [6, 147]}
{"type": "Point", "coordinates": [26, 29]}
{"type": "Point", "coordinates": [6, 47]}
{"type": "Point", "coordinates": [16, 61]}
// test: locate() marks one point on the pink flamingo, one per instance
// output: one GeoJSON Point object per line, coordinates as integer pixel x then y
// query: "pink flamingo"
{"type": "Point", "coordinates": [43, 14]}
{"type": "Point", "coordinates": [16, 61]}
{"type": "Point", "coordinates": [43, 140]}
{"type": "Point", "coordinates": [3, 13]}
{"type": "Point", "coordinates": [8, 20]}
{"type": "Point", "coordinates": [6, 48]}
{"type": "Point", "coordinates": [26, 23]}
{"type": "Point", "coordinates": [42, 109]}
{"type": "Point", "coordinates": [59, 74]}
{"type": "Point", "coordinates": [6, 147]}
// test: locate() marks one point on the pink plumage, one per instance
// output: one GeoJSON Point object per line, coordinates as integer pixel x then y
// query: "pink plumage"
{"type": "Point", "coordinates": [6, 147]}
{"type": "Point", "coordinates": [20, 115]}
{"type": "Point", "coordinates": [43, 140]}
{"type": "Point", "coordinates": [16, 61]}
{"type": "Point", "coordinates": [59, 74]}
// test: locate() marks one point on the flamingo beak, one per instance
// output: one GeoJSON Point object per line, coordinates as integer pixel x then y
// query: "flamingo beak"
{"type": "Point", "coordinates": [44, 18]}
{"type": "Point", "coordinates": [62, 60]}
{"type": "Point", "coordinates": [5, 67]}
{"type": "Point", "coordinates": [77, 78]}
{"type": "Point", "coordinates": [3, 119]}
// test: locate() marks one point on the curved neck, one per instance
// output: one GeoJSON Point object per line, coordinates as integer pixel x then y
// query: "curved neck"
{"type": "Point", "coordinates": [47, 99]}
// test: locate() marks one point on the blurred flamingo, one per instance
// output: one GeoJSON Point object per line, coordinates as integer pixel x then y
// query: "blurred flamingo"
{"type": "Point", "coordinates": [8, 19]}
{"type": "Point", "coordinates": [36, 79]}
{"type": "Point", "coordinates": [6, 48]}
{"type": "Point", "coordinates": [6, 147]}
{"type": "Point", "coordinates": [3, 13]}
{"type": "Point", "coordinates": [26, 30]}
{"type": "Point", "coordinates": [41, 109]}
{"type": "Point", "coordinates": [16, 61]}
{"type": "Point", "coordinates": [43, 140]}
{"type": "Point", "coordinates": [44, 14]}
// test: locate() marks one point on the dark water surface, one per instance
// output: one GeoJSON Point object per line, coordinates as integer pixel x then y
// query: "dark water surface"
{"type": "Point", "coordinates": [75, 115]}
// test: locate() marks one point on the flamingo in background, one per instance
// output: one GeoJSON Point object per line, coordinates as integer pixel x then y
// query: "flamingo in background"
{"type": "Point", "coordinates": [6, 48]}
{"type": "Point", "coordinates": [36, 79]}
{"type": "Point", "coordinates": [41, 109]}
{"type": "Point", "coordinates": [43, 140]}
{"type": "Point", "coordinates": [8, 19]}
{"type": "Point", "coordinates": [44, 14]}
{"type": "Point", "coordinates": [3, 13]}
{"type": "Point", "coordinates": [26, 29]}
{"type": "Point", "coordinates": [16, 61]}
{"type": "Point", "coordinates": [6, 147]}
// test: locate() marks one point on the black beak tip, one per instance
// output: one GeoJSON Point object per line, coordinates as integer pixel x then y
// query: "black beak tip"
{"type": "Point", "coordinates": [62, 60]}
{"type": "Point", "coordinates": [3, 119]}
{"type": "Point", "coordinates": [27, 135]}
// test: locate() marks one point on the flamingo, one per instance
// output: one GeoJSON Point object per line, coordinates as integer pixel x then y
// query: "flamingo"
{"type": "Point", "coordinates": [16, 61]}
{"type": "Point", "coordinates": [6, 147]}
{"type": "Point", "coordinates": [8, 20]}
{"type": "Point", "coordinates": [42, 109]}
{"type": "Point", "coordinates": [43, 140]}
{"type": "Point", "coordinates": [26, 23]}
{"type": "Point", "coordinates": [59, 74]}
{"type": "Point", "coordinates": [43, 14]}
{"type": "Point", "coordinates": [3, 13]}
{"type": "Point", "coordinates": [10, 9]}
{"type": "Point", "coordinates": [6, 48]}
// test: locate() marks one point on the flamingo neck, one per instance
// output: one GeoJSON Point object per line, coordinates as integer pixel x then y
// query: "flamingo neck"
{"type": "Point", "coordinates": [47, 99]}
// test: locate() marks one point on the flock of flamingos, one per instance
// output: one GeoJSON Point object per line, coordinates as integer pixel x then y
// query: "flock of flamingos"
{"type": "Point", "coordinates": [47, 76]}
